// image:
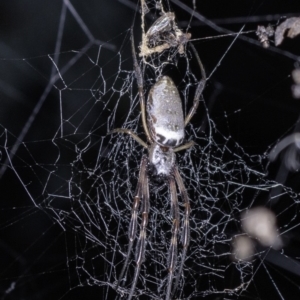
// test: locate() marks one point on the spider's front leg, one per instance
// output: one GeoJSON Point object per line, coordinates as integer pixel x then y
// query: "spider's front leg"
{"type": "Point", "coordinates": [185, 236]}
{"type": "Point", "coordinates": [143, 188]}
{"type": "Point", "coordinates": [172, 259]}
{"type": "Point", "coordinates": [141, 195]}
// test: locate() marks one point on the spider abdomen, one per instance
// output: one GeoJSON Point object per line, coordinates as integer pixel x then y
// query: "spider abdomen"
{"type": "Point", "coordinates": [165, 115]}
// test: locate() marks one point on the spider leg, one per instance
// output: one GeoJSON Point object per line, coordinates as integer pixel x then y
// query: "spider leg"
{"type": "Point", "coordinates": [199, 88]}
{"type": "Point", "coordinates": [140, 247]}
{"type": "Point", "coordinates": [185, 238]}
{"type": "Point", "coordinates": [185, 146]}
{"type": "Point", "coordinates": [139, 79]}
{"type": "Point", "coordinates": [133, 222]}
{"type": "Point", "coordinates": [172, 259]}
{"type": "Point", "coordinates": [131, 133]}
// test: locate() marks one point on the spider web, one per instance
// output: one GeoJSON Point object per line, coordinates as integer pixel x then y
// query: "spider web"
{"type": "Point", "coordinates": [68, 185]}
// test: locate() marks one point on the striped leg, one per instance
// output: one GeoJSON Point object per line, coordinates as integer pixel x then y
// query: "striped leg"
{"type": "Point", "coordinates": [185, 238]}
{"type": "Point", "coordinates": [172, 259]}
{"type": "Point", "coordinates": [139, 79]}
{"type": "Point", "coordinates": [139, 194]}
{"type": "Point", "coordinates": [199, 88]}
{"type": "Point", "coordinates": [140, 247]}
{"type": "Point", "coordinates": [131, 133]}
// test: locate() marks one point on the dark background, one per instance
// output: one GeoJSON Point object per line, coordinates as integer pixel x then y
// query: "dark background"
{"type": "Point", "coordinates": [249, 98]}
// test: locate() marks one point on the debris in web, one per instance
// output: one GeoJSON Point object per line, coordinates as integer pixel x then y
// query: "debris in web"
{"type": "Point", "coordinates": [162, 35]}
{"type": "Point", "coordinates": [264, 33]}
{"type": "Point", "coordinates": [289, 28]}
{"type": "Point", "coordinates": [243, 247]}
{"type": "Point", "coordinates": [260, 223]}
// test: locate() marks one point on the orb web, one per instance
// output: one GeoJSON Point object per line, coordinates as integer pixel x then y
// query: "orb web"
{"type": "Point", "coordinates": [77, 182]}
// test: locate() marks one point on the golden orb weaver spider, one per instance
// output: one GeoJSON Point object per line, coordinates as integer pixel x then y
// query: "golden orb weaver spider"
{"type": "Point", "coordinates": [164, 125]}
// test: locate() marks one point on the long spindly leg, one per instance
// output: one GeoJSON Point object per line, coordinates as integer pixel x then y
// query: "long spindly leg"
{"type": "Point", "coordinates": [172, 258]}
{"type": "Point", "coordinates": [140, 247]}
{"type": "Point", "coordinates": [134, 212]}
{"type": "Point", "coordinates": [199, 88]}
{"type": "Point", "coordinates": [184, 146]}
{"type": "Point", "coordinates": [185, 238]}
{"type": "Point", "coordinates": [131, 133]}
{"type": "Point", "coordinates": [139, 79]}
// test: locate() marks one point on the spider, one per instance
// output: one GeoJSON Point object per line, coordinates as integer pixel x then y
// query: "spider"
{"type": "Point", "coordinates": [164, 124]}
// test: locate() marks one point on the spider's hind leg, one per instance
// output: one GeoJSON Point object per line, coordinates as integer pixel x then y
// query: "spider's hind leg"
{"type": "Point", "coordinates": [139, 79]}
{"type": "Point", "coordinates": [199, 88]}
{"type": "Point", "coordinates": [131, 133]}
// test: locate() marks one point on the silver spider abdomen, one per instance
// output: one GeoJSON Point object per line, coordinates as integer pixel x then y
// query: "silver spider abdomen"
{"type": "Point", "coordinates": [165, 115]}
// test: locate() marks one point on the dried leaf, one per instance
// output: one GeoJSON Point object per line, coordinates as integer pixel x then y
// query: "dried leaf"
{"type": "Point", "coordinates": [293, 27]}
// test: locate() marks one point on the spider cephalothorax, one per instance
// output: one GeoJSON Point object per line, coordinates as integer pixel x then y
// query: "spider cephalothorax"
{"type": "Point", "coordinates": [164, 124]}
{"type": "Point", "coordinates": [161, 161]}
